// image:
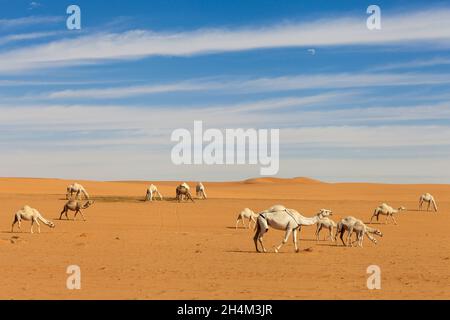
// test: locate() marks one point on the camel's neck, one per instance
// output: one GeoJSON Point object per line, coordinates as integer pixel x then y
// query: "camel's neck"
{"type": "Point", "coordinates": [308, 221]}
{"type": "Point", "coordinates": [370, 230]}
{"type": "Point", "coordinates": [86, 205]}
{"type": "Point", "coordinates": [45, 221]}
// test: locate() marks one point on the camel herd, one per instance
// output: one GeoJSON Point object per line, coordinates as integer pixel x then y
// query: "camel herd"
{"type": "Point", "coordinates": [289, 220]}
{"type": "Point", "coordinates": [277, 217]}
{"type": "Point", "coordinates": [74, 194]}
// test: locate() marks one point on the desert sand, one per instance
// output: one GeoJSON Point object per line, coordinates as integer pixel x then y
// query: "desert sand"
{"type": "Point", "coordinates": [131, 249]}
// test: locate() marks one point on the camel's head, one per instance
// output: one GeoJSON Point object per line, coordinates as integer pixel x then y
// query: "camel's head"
{"type": "Point", "coordinates": [325, 213]}
{"type": "Point", "coordinates": [402, 208]}
{"type": "Point", "coordinates": [51, 224]}
{"type": "Point", "coordinates": [88, 204]}
{"type": "Point", "coordinates": [378, 233]}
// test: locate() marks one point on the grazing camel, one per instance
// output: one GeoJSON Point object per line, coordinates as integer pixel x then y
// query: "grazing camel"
{"type": "Point", "coordinates": [76, 206]}
{"type": "Point", "coordinates": [246, 214]}
{"type": "Point", "coordinates": [351, 224]}
{"type": "Point", "coordinates": [361, 229]}
{"type": "Point", "coordinates": [184, 184]}
{"type": "Point", "coordinates": [344, 225]}
{"type": "Point", "coordinates": [78, 189]}
{"type": "Point", "coordinates": [152, 191]}
{"type": "Point", "coordinates": [200, 191]}
{"type": "Point", "coordinates": [326, 223]}
{"type": "Point", "coordinates": [30, 214]}
{"type": "Point", "coordinates": [182, 191]}
{"type": "Point", "coordinates": [429, 199]}
{"type": "Point", "coordinates": [386, 210]}
{"type": "Point", "coordinates": [282, 218]}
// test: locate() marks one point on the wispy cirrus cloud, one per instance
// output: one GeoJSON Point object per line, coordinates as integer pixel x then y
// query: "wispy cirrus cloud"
{"type": "Point", "coordinates": [267, 84]}
{"type": "Point", "coordinates": [27, 36]}
{"type": "Point", "coordinates": [29, 21]}
{"type": "Point", "coordinates": [414, 64]}
{"type": "Point", "coordinates": [432, 26]}
{"type": "Point", "coordinates": [283, 112]}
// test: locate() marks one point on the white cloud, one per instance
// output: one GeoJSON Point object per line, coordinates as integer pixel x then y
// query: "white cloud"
{"type": "Point", "coordinates": [26, 36]}
{"type": "Point", "coordinates": [299, 82]}
{"type": "Point", "coordinates": [28, 21]}
{"type": "Point", "coordinates": [105, 139]}
{"type": "Point", "coordinates": [285, 111]}
{"type": "Point", "coordinates": [414, 64]}
{"type": "Point", "coordinates": [431, 26]}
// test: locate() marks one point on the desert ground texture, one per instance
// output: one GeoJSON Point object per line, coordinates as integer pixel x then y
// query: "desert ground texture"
{"type": "Point", "coordinates": [131, 249]}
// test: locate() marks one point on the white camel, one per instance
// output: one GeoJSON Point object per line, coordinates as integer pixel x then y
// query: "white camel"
{"type": "Point", "coordinates": [200, 191]}
{"type": "Point", "coordinates": [78, 189]}
{"type": "Point", "coordinates": [282, 218]}
{"type": "Point", "coordinates": [246, 214]}
{"type": "Point", "coordinates": [362, 229]}
{"type": "Point", "coordinates": [152, 191]}
{"type": "Point", "coordinates": [185, 185]}
{"type": "Point", "coordinates": [30, 214]}
{"type": "Point", "coordinates": [428, 198]}
{"type": "Point", "coordinates": [386, 210]}
{"type": "Point", "coordinates": [351, 224]}
{"type": "Point", "coordinates": [182, 192]}
{"type": "Point", "coordinates": [326, 223]}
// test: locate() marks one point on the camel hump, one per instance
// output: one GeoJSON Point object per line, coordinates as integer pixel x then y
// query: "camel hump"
{"type": "Point", "coordinates": [26, 208]}
{"type": "Point", "coordinates": [277, 207]}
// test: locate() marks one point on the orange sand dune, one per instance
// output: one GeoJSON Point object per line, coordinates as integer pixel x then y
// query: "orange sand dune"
{"type": "Point", "coordinates": [131, 249]}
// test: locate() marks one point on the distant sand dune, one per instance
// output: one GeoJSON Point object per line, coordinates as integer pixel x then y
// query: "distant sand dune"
{"type": "Point", "coordinates": [281, 180]}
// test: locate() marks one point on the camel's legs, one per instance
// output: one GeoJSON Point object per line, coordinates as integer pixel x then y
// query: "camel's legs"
{"type": "Point", "coordinates": [360, 237]}
{"type": "Point", "coordinates": [39, 226]}
{"type": "Point", "coordinates": [262, 244]}
{"type": "Point", "coordinates": [434, 206]}
{"type": "Point", "coordinates": [294, 238]}
{"type": "Point", "coordinates": [393, 218]}
{"type": "Point", "coordinates": [254, 221]}
{"type": "Point", "coordinates": [82, 215]}
{"type": "Point", "coordinates": [237, 222]}
{"type": "Point", "coordinates": [16, 220]}
{"type": "Point", "coordinates": [64, 211]}
{"type": "Point", "coordinates": [259, 237]}
{"type": "Point", "coordinates": [256, 238]}
{"type": "Point", "coordinates": [319, 227]}
{"type": "Point", "coordinates": [342, 237]}
{"type": "Point", "coordinates": [428, 207]}
{"type": "Point", "coordinates": [350, 231]}
{"type": "Point", "coordinates": [81, 212]}
{"type": "Point", "coordinates": [331, 234]}
{"type": "Point", "coordinates": [286, 237]}
{"type": "Point", "coordinates": [34, 220]}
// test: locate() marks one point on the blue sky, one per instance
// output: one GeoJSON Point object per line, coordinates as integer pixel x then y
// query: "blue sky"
{"type": "Point", "coordinates": [101, 102]}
